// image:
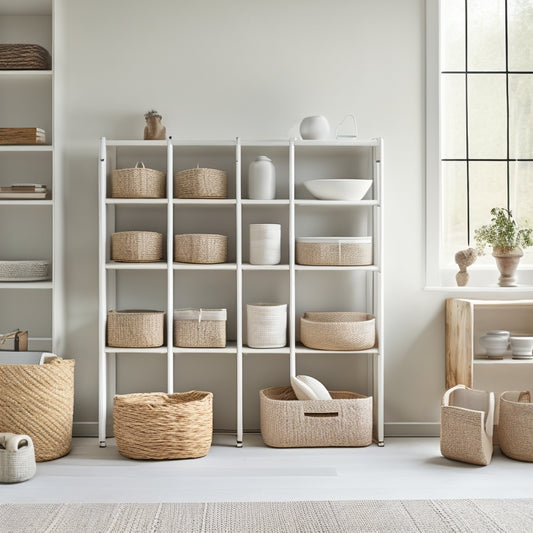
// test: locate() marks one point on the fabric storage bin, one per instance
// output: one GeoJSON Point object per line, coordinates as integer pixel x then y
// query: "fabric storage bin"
{"type": "Point", "coordinates": [345, 420]}
{"type": "Point", "coordinates": [17, 458]}
{"type": "Point", "coordinates": [343, 330]}
{"type": "Point", "coordinates": [137, 246]}
{"type": "Point", "coordinates": [267, 325]}
{"type": "Point", "coordinates": [38, 400]}
{"type": "Point", "coordinates": [334, 251]}
{"type": "Point", "coordinates": [201, 183]}
{"type": "Point", "coordinates": [200, 248]}
{"type": "Point", "coordinates": [265, 244]}
{"type": "Point", "coordinates": [200, 328]}
{"type": "Point", "coordinates": [515, 426]}
{"type": "Point", "coordinates": [137, 182]}
{"type": "Point", "coordinates": [135, 328]}
{"type": "Point", "coordinates": [24, 57]}
{"type": "Point", "coordinates": [466, 426]}
{"type": "Point", "coordinates": [163, 426]}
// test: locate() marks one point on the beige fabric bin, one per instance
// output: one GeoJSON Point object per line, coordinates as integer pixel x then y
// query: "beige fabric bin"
{"type": "Point", "coordinates": [515, 426]}
{"type": "Point", "coordinates": [200, 328]}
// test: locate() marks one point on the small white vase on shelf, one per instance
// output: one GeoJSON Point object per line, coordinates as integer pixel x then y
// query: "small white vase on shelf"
{"type": "Point", "coordinates": [262, 179]}
{"type": "Point", "coordinates": [495, 343]}
{"type": "Point", "coordinates": [315, 128]}
{"type": "Point", "coordinates": [265, 244]}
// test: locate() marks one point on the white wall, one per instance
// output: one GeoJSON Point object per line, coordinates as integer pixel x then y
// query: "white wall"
{"type": "Point", "coordinates": [218, 69]}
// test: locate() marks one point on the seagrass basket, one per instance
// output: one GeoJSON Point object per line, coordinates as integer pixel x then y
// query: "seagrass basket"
{"type": "Point", "coordinates": [137, 246]}
{"type": "Point", "coordinates": [201, 248]}
{"type": "Point", "coordinates": [515, 426]}
{"type": "Point", "coordinates": [136, 328]}
{"type": "Point", "coordinates": [334, 251]}
{"type": "Point", "coordinates": [286, 422]}
{"type": "Point", "coordinates": [137, 182]}
{"type": "Point", "coordinates": [29, 270]}
{"type": "Point", "coordinates": [24, 57]}
{"type": "Point", "coordinates": [200, 328]}
{"type": "Point", "coordinates": [38, 400]}
{"type": "Point", "coordinates": [163, 426]}
{"type": "Point", "coordinates": [343, 330]}
{"type": "Point", "coordinates": [201, 183]}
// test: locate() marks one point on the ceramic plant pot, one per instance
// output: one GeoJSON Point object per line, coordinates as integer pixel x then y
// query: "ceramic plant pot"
{"type": "Point", "coordinates": [507, 262]}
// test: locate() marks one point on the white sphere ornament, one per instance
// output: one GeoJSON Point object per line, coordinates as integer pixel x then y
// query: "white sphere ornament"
{"type": "Point", "coordinates": [315, 128]}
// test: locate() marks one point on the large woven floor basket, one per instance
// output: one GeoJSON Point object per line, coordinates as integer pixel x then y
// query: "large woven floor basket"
{"type": "Point", "coordinates": [163, 426]}
{"type": "Point", "coordinates": [38, 400]}
{"type": "Point", "coordinates": [287, 422]}
{"type": "Point", "coordinates": [515, 427]}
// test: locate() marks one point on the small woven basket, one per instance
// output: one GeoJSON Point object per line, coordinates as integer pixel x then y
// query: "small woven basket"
{"type": "Point", "coordinates": [515, 426]}
{"type": "Point", "coordinates": [286, 422]}
{"type": "Point", "coordinates": [24, 57]}
{"type": "Point", "coordinates": [31, 270]}
{"type": "Point", "coordinates": [137, 246]}
{"type": "Point", "coordinates": [338, 330]}
{"type": "Point", "coordinates": [163, 426]}
{"type": "Point", "coordinates": [17, 458]}
{"type": "Point", "coordinates": [135, 328]}
{"type": "Point", "coordinates": [201, 248]}
{"type": "Point", "coordinates": [200, 328]}
{"type": "Point", "coordinates": [201, 183]}
{"type": "Point", "coordinates": [137, 182]}
{"type": "Point", "coordinates": [38, 400]}
{"type": "Point", "coordinates": [334, 251]}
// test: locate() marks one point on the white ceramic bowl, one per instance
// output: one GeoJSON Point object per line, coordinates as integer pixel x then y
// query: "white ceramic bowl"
{"type": "Point", "coordinates": [522, 346]}
{"type": "Point", "coordinates": [338, 189]}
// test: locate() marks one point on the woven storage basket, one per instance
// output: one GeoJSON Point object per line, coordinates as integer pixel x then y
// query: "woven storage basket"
{"type": "Point", "coordinates": [200, 328]}
{"type": "Point", "coordinates": [135, 328]}
{"type": "Point", "coordinates": [338, 330]}
{"type": "Point", "coordinates": [17, 458]}
{"type": "Point", "coordinates": [38, 400]}
{"type": "Point", "coordinates": [467, 418]}
{"type": "Point", "coordinates": [345, 420]}
{"type": "Point", "coordinates": [201, 183]}
{"type": "Point", "coordinates": [334, 251]}
{"type": "Point", "coordinates": [24, 57]}
{"type": "Point", "coordinates": [201, 248]}
{"type": "Point", "coordinates": [163, 426]}
{"type": "Point", "coordinates": [137, 182]}
{"type": "Point", "coordinates": [137, 246]}
{"type": "Point", "coordinates": [515, 426]}
{"type": "Point", "coordinates": [24, 270]}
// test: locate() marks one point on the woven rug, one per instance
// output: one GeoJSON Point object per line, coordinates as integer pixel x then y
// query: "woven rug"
{"type": "Point", "coordinates": [398, 516]}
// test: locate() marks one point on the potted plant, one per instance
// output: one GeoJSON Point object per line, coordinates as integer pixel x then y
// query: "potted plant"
{"type": "Point", "coordinates": [507, 239]}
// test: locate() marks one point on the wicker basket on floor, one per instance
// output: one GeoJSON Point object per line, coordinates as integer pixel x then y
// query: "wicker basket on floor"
{"type": "Point", "coordinates": [200, 248]}
{"type": "Point", "coordinates": [163, 426]}
{"type": "Point", "coordinates": [137, 246]}
{"type": "Point", "coordinates": [515, 426]}
{"type": "Point", "coordinates": [135, 328]}
{"type": "Point", "coordinates": [201, 183]}
{"type": "Point", "coordinates": [38, 400]}
{"type": "Point", "coordinates": [137, 182]}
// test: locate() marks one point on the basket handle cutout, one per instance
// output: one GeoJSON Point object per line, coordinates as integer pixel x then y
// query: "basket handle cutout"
{"type": "Point", "coordinates": [322, 415]}
{"type": "Point", "coordinates": [139, 163]}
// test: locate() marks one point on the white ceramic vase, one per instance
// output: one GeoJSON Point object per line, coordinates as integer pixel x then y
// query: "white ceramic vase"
{"type": "Point", "coordinates": [265, 244]}
{"type": "Point", "coordinates": [267, 325]}
{"type": "Point", "coordinates": [262, 179]}
{"type": "Point", "coordinates": [495, 343]}
{"type": "Point", "coordinates": [315, 128]}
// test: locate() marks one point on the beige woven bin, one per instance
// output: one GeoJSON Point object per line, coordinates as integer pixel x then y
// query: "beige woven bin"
{"type": "Point", "coordinates": [38, 400]}
{"type": "Point", "coordinates": [338, 330]}
{"type": "Point", "coordinates": [334, 251]}
{"type": "Point", "coordinates": [200, 248]}
{"type": "Point", "coordinates": [201, 183]}
{"type": "Point", "coordinates": [137, 246]}
{"type": "Point", "coordinates": [137, 182]}
{"type": "Point", "coordinates": [200, 328]}
{"type": "Point", "coordinates": [163, 426]}
{"type": "Point", "coordinates": [135, 328]}
{"type": "Point", "coordinates": [286, 422]}
{"type": "Point", "coordinates": [466, 426]}
{"type": "Point", "coordinates": [515, 426]}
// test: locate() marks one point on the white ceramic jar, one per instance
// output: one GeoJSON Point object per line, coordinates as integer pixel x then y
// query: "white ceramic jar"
{"type": "Point", "coordinates": [262, 179]}
{"type": "Point", "coordinates": [267, 325]}
{"type": "Point", "coordinates": [265, 244]}
{"type": "Point", "coordinates": [314, 128]}
{"type": "Point", "coordinates": [495, 343]}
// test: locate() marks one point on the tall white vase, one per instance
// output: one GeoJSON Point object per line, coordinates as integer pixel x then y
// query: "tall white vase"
{"type": "Point", "coordinates": [262, 179]}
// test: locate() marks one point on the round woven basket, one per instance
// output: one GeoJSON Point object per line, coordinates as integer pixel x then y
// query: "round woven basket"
{"type": "Point", "coordinates": [515, 426]}
{"type": "Point", "coordinates": [32, 270]}
{"type": "Point", "coordinates": [338, 330]}
{"type": "Point", "coordinates": [136, 328]}
{"type": "Point", "coordinates": [137, 246]}
{"type": "Point", "coordinates": [24, 56]}
{"type": "Point", "coordinates": [202, 248]}
{"type": "Point", "coordinates": [38, 400]}
{"type": "Point", "coordinates": [137, 182]}
{"type": "Point", "coordinates": [163, 426]}
{"type": "Point", "coordinates": [201, 183]}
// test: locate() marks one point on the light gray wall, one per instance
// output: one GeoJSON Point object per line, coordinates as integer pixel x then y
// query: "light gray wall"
{"type": "Point", "coordinates": [218, 69]}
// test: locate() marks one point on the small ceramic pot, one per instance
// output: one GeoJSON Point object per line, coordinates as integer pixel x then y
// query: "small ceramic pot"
{"type": "Point", "coordinates": [495, 343]}
{"type": "Point", "coordinates": [522, 346]}
{"type": "Point", "coordinates": [314, 128]}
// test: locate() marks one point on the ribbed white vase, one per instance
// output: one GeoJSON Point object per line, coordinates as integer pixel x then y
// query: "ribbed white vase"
{"type": "Point", "coordinates": [265, 244]}
{"type": "Point", "coordinates": [267, 325]}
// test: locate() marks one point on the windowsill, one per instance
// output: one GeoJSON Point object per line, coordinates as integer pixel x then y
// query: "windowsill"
{"type": "Point", "coordinates": [488, 289]}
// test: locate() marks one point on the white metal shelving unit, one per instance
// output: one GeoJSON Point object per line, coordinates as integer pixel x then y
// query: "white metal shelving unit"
{"type": "Point", "coordinates": [295, 162]}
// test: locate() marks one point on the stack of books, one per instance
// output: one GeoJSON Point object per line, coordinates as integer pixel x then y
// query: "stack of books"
{"type": "Point", "coordinates": [22, 136]}
{"type": "Point", "coordinates": [23, 191]}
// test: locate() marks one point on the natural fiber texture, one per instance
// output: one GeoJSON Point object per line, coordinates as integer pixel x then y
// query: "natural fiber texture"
{"type": "Point", "coordinates": [200, 328]}
{"type": "Point", "coordinates": [17, 458]}
{"type": "Point", "coordinates": [515, 427]}
{"type": "Point", "coordinates": [135, 328]}
{"type": "Point", "coordinates": [137, 246]}
{"type": "Point", "coordinates": [201, 248]}
{"type": "Point", "coordinates": [342, 253]}
{"type": "Point", "coordinates": [137, 182]}
{"type": "Point", "coordinates": [24, 270]}
{"type": "Point", "coordinates": [266, 325]}
{"type": "Point", "coordinates": [163, 426]}
{"type": "Point", "coordinates": [24, 57]}
{"type": "Point", "coordinates": [338, 330]}
{"type": "Point", "coordinates": [201, 183]}
{"type": "Point", "coordinates": [463, 434]}
{"type": "Point", "coordinates": [38, 400]}
{"type": "Point", "coordinates": [286, 422]}
{"type": "Point", "coordinates": [22, 136]}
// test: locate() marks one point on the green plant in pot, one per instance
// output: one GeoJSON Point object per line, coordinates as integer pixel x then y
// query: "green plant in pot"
{"type": "Point", "coordinates": [507, 239]}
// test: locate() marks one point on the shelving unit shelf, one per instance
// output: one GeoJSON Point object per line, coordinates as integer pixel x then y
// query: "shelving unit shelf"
{"type": "Point", "coordinates": [235, 284]}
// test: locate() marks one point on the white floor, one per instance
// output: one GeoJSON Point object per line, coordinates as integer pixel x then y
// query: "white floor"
{"type": "Point", "coordinates": [406, 468]}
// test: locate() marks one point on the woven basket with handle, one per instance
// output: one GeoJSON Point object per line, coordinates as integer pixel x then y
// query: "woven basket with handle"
{"type": "Point", "coordinates": [137, 182]}
{"type": "Point", "coordinates": [201, 183]}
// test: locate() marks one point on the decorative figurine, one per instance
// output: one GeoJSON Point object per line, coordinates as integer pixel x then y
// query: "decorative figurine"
{"type": "Point", "coordinates": [464, 258]}
{"type": "Point", "coordinates": [154, 130]}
